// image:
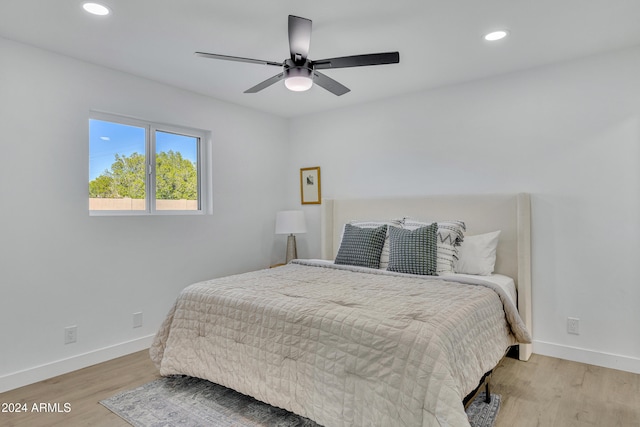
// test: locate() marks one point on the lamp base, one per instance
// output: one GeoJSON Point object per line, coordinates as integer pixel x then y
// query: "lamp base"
{"type": "Point", "coordinates": [292, 252]}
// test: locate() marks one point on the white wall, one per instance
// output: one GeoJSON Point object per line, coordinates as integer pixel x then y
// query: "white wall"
{"type": "Point", "coordinates": [61, 267]}
{"type": "Point", "coordinates": [568, 133]}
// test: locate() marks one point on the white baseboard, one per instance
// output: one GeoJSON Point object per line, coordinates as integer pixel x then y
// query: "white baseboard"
{"type": "Point", "coordinates": [53, 369]}
{"type": "Point", "coordinates": [59, 367]}
{"type": "Point", "coordinates": [606, 360]}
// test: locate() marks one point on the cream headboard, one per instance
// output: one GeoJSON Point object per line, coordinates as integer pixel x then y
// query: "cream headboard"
{"type": "Point", "coordinates": [510, 213]}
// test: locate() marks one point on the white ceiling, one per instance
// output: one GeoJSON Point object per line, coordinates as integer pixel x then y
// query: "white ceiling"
{"type": "Point", "coordinates": [440, 41]}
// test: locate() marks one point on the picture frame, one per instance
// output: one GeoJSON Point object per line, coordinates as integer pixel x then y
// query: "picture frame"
{"type": "Point", "coordinates": [310, 187]}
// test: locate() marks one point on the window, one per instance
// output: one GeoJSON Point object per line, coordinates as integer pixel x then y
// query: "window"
{"type": "Point", "coordinates": [138, 167]}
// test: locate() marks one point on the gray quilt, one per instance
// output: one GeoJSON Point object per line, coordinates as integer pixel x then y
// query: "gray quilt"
{"type": "Point", "coordinates": [340, 345]}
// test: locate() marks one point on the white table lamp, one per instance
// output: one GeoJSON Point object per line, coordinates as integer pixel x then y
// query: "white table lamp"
{"type": "Point", "coordinates": [290, 222]}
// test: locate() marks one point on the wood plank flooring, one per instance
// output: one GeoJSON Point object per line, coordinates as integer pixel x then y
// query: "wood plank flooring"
{"type": "Point", "coordinates": [83, 389]}
{"type": "Point", "coordinates": [541, 392]}
{"type": "Point", "coordinates": [552, 392]}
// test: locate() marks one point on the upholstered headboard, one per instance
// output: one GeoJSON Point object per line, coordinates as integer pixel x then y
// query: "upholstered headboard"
{"type": "Point", "coordinates": [510, 213]}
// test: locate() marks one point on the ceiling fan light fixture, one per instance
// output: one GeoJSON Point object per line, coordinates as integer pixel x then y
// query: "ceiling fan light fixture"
{"type": "Point", "coordinates": [298, 79]}
{"type": "Point", "coordinates": [298, 83]}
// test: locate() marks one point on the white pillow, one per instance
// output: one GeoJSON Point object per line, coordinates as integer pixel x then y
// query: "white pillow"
{"type": "Point", "coordinates": [477, 254]}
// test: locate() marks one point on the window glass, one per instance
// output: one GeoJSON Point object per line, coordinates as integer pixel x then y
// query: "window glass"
{"type": "Point", "coordinates": [116, 166]}
{"type": "Point", "coordinates": [176, 171]}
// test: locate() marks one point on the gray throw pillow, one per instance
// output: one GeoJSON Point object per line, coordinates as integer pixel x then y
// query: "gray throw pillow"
{"type": "Point", "coordinates": [414, 252]}
{"type": "Point", "coordinates": [361, 246]}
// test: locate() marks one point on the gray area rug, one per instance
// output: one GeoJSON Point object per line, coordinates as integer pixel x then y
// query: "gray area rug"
{"type": "Point", "coordinates": [192, 402]}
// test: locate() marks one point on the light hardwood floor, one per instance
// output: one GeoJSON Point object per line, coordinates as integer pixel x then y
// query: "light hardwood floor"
{"type": "Point", "coordinates": [546, 391]}
{"type": "Point", "coordinates": [541, 392]}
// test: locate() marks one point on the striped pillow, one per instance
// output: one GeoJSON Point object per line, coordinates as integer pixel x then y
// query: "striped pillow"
{"type": "Point", "coordinates": [413, 251]}
{"type": "Point", "coordinates": [361, 246]}
{"type": "Point", "coordinates": [450, 235]}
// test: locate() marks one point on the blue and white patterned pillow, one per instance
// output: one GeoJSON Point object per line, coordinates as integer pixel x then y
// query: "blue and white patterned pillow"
{"type": "Point", "coordinates": [361, 246]}
{"type": "Point", "coordinates": [414, 251]}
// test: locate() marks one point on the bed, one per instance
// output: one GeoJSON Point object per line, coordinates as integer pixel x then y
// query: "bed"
{"type": "Point", "coordinates": [347, 345]}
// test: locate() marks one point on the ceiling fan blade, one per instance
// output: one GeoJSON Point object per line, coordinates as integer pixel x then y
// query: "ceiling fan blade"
{"type": "Point", "coordinates": [329, 84]}
{"type": "Point", "coordinates": [265, 84]}
{"type": "Point", "coordinates": [299, 38]}
{"type": "Point", "coordinates": [358, 60]}
{"type": "Point", "coordinates": [236, 58]}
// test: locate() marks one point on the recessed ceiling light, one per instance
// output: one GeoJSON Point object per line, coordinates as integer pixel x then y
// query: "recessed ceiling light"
{"type": "Point", "coordinates": [496, 35]}
{"type": "Point", "coordinates": [96, 9]}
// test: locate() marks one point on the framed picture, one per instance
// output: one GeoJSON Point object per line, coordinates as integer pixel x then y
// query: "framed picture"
{"type": "Point", "coordinates": [310, 186]}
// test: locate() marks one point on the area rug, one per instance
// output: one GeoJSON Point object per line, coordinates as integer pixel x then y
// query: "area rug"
{"type": "Point", "coordinates": [192, 402]}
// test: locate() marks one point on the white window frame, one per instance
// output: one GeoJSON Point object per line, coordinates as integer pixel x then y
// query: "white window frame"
{"type": "Point", "coordinates": [203, 165]}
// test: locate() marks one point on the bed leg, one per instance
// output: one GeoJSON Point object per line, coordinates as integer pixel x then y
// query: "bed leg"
{"type": "Point", "coordinates": [486, 378]}
{"type": "Point", "coordinates": [487, 394]}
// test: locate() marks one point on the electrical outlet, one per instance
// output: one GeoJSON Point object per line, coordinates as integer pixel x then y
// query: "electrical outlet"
{"type": "Point", "coordinates": [573, 325]}
{"type": "Point", "coordinates": [137, 319]}
{"type": "Point", "coordinates": [70, 334]}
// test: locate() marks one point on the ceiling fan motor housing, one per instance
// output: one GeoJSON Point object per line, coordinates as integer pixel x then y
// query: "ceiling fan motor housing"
{"type": "Point", "coordinates": [292, 69]}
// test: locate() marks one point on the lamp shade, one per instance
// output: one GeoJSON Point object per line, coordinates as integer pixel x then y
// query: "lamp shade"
{"type": "Point", "coordinates": [290, 222]}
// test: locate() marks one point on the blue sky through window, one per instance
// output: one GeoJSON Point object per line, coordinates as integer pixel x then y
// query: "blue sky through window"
{"type": "Point", "coordinates": [108, 138]}
{"type": "Point", "coordinates": [186, 145]}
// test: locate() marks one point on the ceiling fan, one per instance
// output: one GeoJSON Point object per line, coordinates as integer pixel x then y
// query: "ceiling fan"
{"type": "Point", "coordinates": [299, 72]}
